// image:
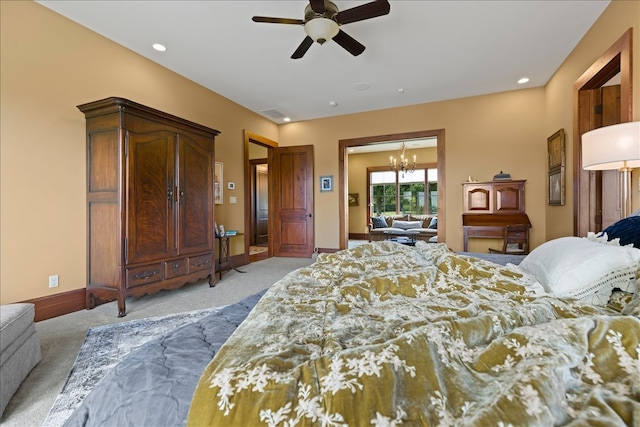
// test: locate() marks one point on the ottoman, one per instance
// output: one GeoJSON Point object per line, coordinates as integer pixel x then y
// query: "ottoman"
{"type": "Point", "coordinates": [19, 348]}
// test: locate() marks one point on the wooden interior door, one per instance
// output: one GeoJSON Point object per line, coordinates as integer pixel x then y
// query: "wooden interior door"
{"type": "Point", "coordinates": [611, 203]}
{"type": "Point", "coordinates": [291, 209]}
{"type": "Point", "coordinates": [593, 109]}
{"type": "Point", "coordinates": [602, 108]}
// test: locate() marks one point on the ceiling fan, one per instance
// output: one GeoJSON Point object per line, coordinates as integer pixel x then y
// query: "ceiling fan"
{"type": "Point", "coordinates": [322, 19]}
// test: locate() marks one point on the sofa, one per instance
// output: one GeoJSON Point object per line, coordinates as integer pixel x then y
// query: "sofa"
{"type": "Point", "coordinates": [425, 225]}
{"type": "Point", "coordinates": [19, 348]}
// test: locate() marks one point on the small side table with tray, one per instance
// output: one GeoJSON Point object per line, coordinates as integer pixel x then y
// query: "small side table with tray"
{"type": "Point", "coordinates": [223, 262]}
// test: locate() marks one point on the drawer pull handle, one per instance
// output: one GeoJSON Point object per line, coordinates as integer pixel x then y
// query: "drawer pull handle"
{"type": "Point", "coordinates": [175, 267]}
{"type": "Point", "coordinates": [201, 263]}
{"type": "Point", "coordinates": [144, 275]}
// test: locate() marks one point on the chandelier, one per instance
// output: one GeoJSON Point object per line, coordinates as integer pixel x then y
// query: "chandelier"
{"type": "Point", "coordinates": [403, 165]}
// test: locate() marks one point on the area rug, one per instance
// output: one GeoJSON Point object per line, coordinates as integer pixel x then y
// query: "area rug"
{"type": "Point", "coordinates": [103, 348]}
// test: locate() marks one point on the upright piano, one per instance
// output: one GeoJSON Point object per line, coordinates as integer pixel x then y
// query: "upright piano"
{"type": "Point", "coordinates": [491, 206]}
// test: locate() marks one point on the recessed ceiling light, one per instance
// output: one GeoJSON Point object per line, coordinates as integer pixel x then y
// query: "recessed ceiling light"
{"type": "Point", "coordinates": [333, 104]}
{"type": "Point", "coordinates": [159, 47]}
{"type": "Point", "coordinates": [361, 86]}
{"type": "Point", "coordinates": [400, 90]}
{"type": "Point", "coordinates": [286, 119]}
{"type": "Point", "coordinates": [523, 80]}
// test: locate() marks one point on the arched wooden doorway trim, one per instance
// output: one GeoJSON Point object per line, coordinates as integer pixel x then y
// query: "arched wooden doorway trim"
{"type": "Point", "coordinates": [344, 144]}
{"type": "Point", "coordinates": [617, 59]}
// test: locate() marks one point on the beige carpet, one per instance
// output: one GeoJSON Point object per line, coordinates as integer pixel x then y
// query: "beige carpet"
{"type": "Point", "coordinates": [62, 337]}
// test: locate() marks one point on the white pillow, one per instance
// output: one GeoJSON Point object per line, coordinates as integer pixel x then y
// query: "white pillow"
{"type": "Point", "coordinates": [582, 269]}
{"type": "Point", "coordinates": [406, 225]}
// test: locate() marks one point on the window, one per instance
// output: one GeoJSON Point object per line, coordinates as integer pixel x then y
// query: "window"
{"type": "Point", "coordinates": [394, 193]}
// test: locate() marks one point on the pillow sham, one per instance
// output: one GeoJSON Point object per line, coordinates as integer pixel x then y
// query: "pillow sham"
{"type": "Point", "coordinates": [379, 222]}
{"type": "Point", "coordinates": [579, 268]}
{"type": "Point", "coordinates": [627, 230]}
{"type": "Point", "coordinates": [633, 307]}
{"type": "Point", "coordinates": [434, 223]}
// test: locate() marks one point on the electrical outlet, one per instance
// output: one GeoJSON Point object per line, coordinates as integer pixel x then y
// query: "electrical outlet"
{"type": "Point", "coordinates": [53, 281]}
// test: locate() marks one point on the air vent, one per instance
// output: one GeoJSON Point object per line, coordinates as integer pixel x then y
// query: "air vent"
{"type": "Point", "coordinates": [274, 114]}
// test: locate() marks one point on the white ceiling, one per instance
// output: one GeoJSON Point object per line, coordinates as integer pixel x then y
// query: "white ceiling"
{"type": "Point", "coordinates": [431, 50]}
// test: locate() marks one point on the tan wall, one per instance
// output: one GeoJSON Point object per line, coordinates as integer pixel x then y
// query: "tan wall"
{"type": "Point", "coordinates": [484, 135]}
{"type": "Point", "coordinates": [358, 164]}
{"type": "Point", "coordinates": [49, 65]}
{"type": "Point", "coordinates": [616, 19]}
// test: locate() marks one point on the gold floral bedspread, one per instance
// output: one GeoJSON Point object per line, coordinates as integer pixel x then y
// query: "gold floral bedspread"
{"type": "Point", "coordinates": [388, 335]}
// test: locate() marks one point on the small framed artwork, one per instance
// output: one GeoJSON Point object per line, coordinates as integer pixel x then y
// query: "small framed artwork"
{"type": "Point", "coordinates": [354, 199]}
{"type": "Point", "coordinates": [556, 186]}
{"type": "Point", "coordinates": [217, 184]}
{"type": "Point", "coordinates": [555, 146]}
{"type": "Point", "coordinates": [326, 183]}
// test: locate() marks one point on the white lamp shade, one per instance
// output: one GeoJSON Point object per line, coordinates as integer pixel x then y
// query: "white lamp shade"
{"type": "Point", "coordinates": [610, 147]}
{"type": "Point", "coordinates": [321, 29]}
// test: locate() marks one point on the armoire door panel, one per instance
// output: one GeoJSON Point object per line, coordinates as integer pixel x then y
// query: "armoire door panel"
{"type": "Point", "coordinates": [195, 197]}
{"type": "Point", "coordinates": [104, 246]}
{"type": "Point", "coordinates": [103, 168]}
{"type": "Point", "coordinates": [151, 199]}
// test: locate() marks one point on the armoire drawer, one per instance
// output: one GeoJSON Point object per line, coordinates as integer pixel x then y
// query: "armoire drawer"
{"type": "Point", "coordinates": [144, 275]}
{"type": "Point", "coordinates": [177, 267]}
{"type": "Point", "coordinates": [202, 262]}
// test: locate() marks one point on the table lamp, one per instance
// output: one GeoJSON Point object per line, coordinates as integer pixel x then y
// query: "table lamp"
{"type": "Point", "coordinates": [614, 147]}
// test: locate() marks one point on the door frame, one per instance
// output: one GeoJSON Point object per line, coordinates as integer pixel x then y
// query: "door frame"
{"type": "Point", "coordinates": [253, 138]}
{"type": "Point", "coordinates": [253, 190]}
{"type": "Point", "coordinates": [343, 183]}
{"type": "Point", "coordinates": [617, 59]}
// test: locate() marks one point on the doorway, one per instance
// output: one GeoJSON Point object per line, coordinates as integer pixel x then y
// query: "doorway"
{"type": "Point", "coordinates": [259, 209]}
{"type": "Point", "coordinates": [289, 198]}
{"type": "Point", "coordinates": [589, 186]}
{"type": "Point", "coordinates": [257, 153]}
{"type": "Point", "coordinates": [343, 184]}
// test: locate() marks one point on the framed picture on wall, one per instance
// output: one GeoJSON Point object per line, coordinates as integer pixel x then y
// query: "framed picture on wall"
{"type": "Point", "coordinates": [217, 184]}
{"type": "Point", "coordinates": [354, 199]}
{"type": "Point", "coordinates": [326, 183]}
{"type": "Point", "coordinates": [556, 150]}
{"type": "Point", "coordinates": [555, 146]}
{"type": "Point", "coordinates": [556, 186]}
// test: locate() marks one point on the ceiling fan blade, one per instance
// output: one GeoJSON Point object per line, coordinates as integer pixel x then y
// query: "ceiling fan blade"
{"type": "Point", "coordinates": [277, 20]}
{"type": "Point", "coordinates": [303, 48]}
{"type": "Point", "coordinates": [362, 12]}
{"type": "Point", "coordinates": [317, 5]}
{"type": "Point", "coordinates": [349, 43]}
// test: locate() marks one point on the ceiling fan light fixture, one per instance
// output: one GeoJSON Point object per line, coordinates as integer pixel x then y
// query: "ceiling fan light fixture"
{"type": "Point", "coordinates": [321, 29]}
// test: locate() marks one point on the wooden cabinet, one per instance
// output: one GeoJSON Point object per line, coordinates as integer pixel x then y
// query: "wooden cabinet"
{"type": "Point", "coordinates": [493, 197]}
{"type": "Point", "coordinates": [149, 201]}
{"type": "Point", "coordinates": [489, 207]}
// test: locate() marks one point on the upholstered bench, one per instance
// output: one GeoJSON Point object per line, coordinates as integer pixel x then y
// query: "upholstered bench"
{"type": "Point", "coordinates": [19, 348]}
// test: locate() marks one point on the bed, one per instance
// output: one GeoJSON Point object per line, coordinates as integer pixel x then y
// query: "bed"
{"type": "Point", "coordinates": [389, 335]}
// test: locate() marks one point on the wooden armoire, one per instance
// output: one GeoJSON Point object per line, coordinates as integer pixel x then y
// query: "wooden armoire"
{"type": "Point", "coordinates": [149, 201]}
